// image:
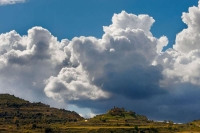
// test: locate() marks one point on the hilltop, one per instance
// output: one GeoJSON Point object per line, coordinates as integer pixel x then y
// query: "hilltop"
{"type": "Point", "coordinates": [120, 115]}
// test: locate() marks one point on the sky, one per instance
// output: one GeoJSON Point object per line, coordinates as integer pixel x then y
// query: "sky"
{"type": "Point", "coordinates": [89, 56]}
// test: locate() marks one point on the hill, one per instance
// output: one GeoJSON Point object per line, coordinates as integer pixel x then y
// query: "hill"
{"type": "Point", "coordinates": [19, 115]}
{"type": "Point", "coordinates": [17, 112]}
{"type": "Point", "coordinates": [120, 115]}
{"type": "Point", "coordinates": [120, 120]}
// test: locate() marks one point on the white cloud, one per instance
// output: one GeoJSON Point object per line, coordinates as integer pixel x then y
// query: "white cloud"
{"type": "Point", "coordinates": [181, 68]}
{"type": "Point", "coordinates": [72, 84]}
{"type": "Point", "coordinates": [182, 64]}
{"type": "Point", "coordinates": [85, 68]}
{"type": "Point", "coordinates": [28, 59]}
{"type": "Point", "coordinates": [101, 66]}
{"type": "Point", "coordinates": [132, 21]}
{"type": "Point", "coordinates": [188, 39]}
{"type": "Point", "coordinates": [7, 2]}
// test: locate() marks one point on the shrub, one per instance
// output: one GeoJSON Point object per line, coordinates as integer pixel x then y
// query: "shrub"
{"type": "Point", "coordinates": [48, 130]}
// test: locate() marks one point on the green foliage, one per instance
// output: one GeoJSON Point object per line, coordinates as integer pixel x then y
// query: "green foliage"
{"type": "Point", "coordinates": [120, 115]}
{"type": "Point", "coordinates": [14, 110]}
{"type": "Point", "coordinates": [136, 127]}
{"type": "Point", "coordinates": [34, 126]}
{"type": "Point", "coordinates": [48, 130]}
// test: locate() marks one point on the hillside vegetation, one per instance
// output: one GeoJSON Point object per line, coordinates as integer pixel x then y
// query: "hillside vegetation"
{"type": "Point", "coordinates": [18, 115]}
{"type": "Point", "coordinates": [120, 115]}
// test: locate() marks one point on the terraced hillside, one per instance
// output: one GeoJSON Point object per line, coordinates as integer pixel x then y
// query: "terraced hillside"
{"type": "Point", "coordinates": [21, 116]}
{"type": "Point", "coordinates": [120, 115]}
{"type": "Point", "coordinates": [17, 112]}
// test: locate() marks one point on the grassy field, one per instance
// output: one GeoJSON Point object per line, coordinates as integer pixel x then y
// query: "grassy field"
{"type": "Point", "coordinates": [76, 127]}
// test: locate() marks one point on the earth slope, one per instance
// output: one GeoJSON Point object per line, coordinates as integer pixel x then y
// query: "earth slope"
{"type": "Point", "coordinates": [14, 110]}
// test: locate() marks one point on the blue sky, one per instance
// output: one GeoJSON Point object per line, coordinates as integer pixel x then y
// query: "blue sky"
{"type": "Point", "coordinates": [122, 65]}
{"type": "Point", "coordinates": [70, 18]}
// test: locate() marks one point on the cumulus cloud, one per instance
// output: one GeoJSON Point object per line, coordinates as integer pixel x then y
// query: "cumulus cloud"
{"type": "Point", "coordinates": [120, 63]}
{"type": "Point", "coordinates": [85, 68]}
{"type": "Point", "coordinates": [126, 67]}
{"type": "Point", "coordinates": [8, 2]}
{"type": "Point", "coordinates": [188, 39]}
{"type": "Point", "coordinates": [181, 64]}
{"type": "Point", "coordinates": [128, 64]}
{"type": "Point", "coordinates": [72, 85]}
{"type": "Point", "coordinates": [26, 61]}
{"type": "Point", "coordinates": [132, 21]}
